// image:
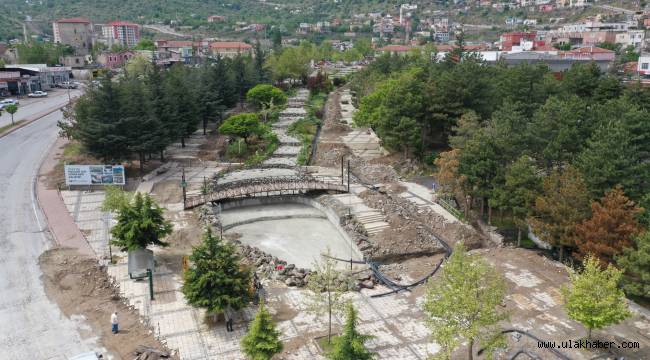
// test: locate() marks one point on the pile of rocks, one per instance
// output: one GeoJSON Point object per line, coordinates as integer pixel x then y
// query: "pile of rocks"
{"type": "Point", "coordinates": [425, 221]}
{"type": "Point", "coordinates": [268, 266]}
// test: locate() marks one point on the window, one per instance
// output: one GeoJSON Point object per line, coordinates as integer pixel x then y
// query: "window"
{"type": "Point", "coordinates": [644, 66]}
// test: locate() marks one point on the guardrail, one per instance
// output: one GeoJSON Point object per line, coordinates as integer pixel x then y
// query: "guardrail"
{"type": "Point", "coordinates": [449, 207]}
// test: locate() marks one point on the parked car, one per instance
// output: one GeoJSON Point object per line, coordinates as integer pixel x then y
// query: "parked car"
{"type": "Point", "coordinates": [6, 102]}
{"type": "Point", "coordinates": [68, 85]}
{"type": "Point", "coordinates": [37, 94]}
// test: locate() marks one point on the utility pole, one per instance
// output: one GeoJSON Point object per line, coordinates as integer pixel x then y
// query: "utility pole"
{"type": "Point", "coordinates": [348, 175]}
{"type": "Point", "coordinates": [342, 161]}
{"type": "Point", "coordinates": [150, 276]}
{"type": "Point", "coordinates": [184, 186]}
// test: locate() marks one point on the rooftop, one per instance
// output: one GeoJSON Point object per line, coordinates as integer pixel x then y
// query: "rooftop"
{"type": "Point", "coordinates": [396, 48]}
{"type": "Point", "coordinates": [76, 20]}
{"type": "Point", "coordinates": [229, 45]}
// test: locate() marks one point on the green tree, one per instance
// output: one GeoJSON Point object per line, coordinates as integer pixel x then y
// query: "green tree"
{"type": "Point", "coordinates": [563, 203]}
{"type": "Point", "coordinates": [11, 109]}
{"type": "Point", "coordinates": [262, 340]}
{"type": "Point", "coordinates": [351, 344]}
{"type": "Point", "coordinates": [464, 303]}
{"type": "Point", "coordinates": [216, 279]}
{"type": "Point", "coordinates": [467, 127]}
{"type": "Point", "coordinates": [145, 44]}
{"type": "Point", "coordinates": [180, 103]}
{"type": "Point", "coordinates": [635, 261]}
{"type": "Point", "coordinates": [582, 79]}
{"type": "Point", "coordinates": [243, 126]}
{"type": "Point", "coordinates": [96, 122]}
{"type": "Point", "coordinates": [140, 224]}
{"type": "Point", "coordinates": [558, 131]}
{"type": "Point", "coordinates": [609, 159]}
{"type": "Point", "coordinates": [594, 299]}
{"type": "Point", "coordinates": [522, 185]}
{"type": "Point", "coordinates": [266, 96]}
{"type": "Point", "coordinates": [115, 198]}
{"type": "Point", "coordinates": [327, 287]}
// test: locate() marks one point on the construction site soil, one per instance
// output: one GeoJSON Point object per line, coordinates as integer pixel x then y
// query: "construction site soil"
{"type": "Point", "coordinates": [81, 287]}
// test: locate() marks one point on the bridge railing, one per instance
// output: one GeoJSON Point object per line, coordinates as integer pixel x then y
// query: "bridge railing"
{"type": "Point", "coordinates": [269, 184]}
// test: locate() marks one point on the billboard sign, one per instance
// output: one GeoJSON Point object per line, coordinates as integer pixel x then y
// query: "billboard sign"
{"type": "Point", "coordinates": [94, 175]}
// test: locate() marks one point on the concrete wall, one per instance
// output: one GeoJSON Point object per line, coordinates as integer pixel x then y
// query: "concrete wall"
{"type": "Point", "coordinates": [261, 201]}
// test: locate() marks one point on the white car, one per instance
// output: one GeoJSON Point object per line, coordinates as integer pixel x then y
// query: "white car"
{"type": "Point", "coordinates": [6, 102]}
{"type": "Point", "coordinates": [37, 94]}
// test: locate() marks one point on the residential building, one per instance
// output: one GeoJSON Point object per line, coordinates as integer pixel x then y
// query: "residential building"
{"type": "Point", "coordinates": [230, 48]}
{"type": "Point", "coordinates": [121, 32]}
{"type": "Point", "coordinates": [395, 49]}
{"type": "Point", "coordinates": [114, 60]}
{"type": "Point", "coordinates": [631, 38]}
{"type": "Point", "coordinates": [74, 61]}
{"type": "Point", "coordinates": [510, 39]}
{"type": "Point", "coordinates": [643, 66]}
{"type": "Point", "coordinates": [216, 18]}
{"type": "Point", "coordinates": [75, 32]}
{"type": "Point", "coordinates": [556, 63]}
{"type": "Point", "coordinates": [384, 26]}
{"type": "Point", "coordinates": [589, 53]}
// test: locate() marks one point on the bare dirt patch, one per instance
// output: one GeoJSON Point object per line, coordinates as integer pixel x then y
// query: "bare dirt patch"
{"type": "Point", "coordinates": [214, 147]}
{"type": "Point", "coordinates": [167, 192]}
{"type": "Point", "coordinates": [80, 286]}
{"type": "Point", "coordinates": [411, 228]}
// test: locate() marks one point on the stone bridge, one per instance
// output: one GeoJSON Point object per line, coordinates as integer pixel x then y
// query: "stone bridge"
{"type": "Point", "coordinates": [267, 186]}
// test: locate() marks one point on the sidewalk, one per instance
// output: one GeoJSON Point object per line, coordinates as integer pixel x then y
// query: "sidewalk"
{"type": "Point", "coordinates": [62, 226]}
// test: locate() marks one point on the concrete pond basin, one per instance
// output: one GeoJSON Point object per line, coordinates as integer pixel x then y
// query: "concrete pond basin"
{"type": "Point", "coordinates": [293, 228]}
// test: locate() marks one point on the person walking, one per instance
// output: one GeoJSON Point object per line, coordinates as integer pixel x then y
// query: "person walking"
{"type": "Point", "coordinates": [114, 322]}
{"type": "Point", "coordinates": [228, 316]}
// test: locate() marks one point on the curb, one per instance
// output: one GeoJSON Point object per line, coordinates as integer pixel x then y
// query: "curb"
{"type": "Point", "coordinates": [38, 117]}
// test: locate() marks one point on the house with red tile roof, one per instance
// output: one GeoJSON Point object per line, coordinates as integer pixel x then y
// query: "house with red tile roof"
{"type": "Point", "coordinates": [230, 48]}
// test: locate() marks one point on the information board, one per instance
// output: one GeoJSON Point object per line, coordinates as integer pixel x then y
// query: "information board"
{"type": "Point", "coordinates": [94, 175]}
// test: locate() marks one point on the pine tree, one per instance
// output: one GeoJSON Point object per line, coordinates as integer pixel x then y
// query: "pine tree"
{"type": "Point", "coordinates": [464, 303]}
{"type": "Point", "coordinates": [635, 261]}
{"type": "Point", "coordinates": [594, 299]}
{"type": "Point", "coordinates": [140, 224]}
{"type": "Point", "coordinates": [216, 279]}
{"type": "Point", "coordinates": [609, 159]}
{"type": "Point", "coordinates": [563, 204]}
{"type": "Point", "coordinates": [262, 340]}
{"type": "Point", "coordinates": [521, 187]}
{"type": "Point", "coordinates": [610, 229]}
{"type": "Point", "coordinates": [351, 344]}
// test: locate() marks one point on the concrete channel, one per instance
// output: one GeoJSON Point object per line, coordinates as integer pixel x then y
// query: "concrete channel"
{"type": "Point", "coordinates": [296, 229]}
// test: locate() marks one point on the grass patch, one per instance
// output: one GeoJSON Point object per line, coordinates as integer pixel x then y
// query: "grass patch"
{"type": "Point", "coordinates": [255, 151]}
{"type": "Point", "coordinates": [305, 129]}
{"type": "Point", "coordinates": [11, 126]}
{"type": "Point", "coordinates": [325, 346]}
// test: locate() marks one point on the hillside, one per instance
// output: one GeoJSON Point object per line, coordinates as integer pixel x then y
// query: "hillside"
{"type": "Point", "coordinates": [186, 11]}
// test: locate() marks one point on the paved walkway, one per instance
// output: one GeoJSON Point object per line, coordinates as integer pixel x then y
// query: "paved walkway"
{"type": "Point", "coordinates": [61, 224]}
{"type": "Point", "coordinates": [396, 321]}
{"type": "Point", "coordinates": [287, 152]}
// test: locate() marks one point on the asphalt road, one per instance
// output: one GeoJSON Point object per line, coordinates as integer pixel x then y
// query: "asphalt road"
{"type": "Point", "coordinates": [31, 326]}
{"type": "Point", "coordinates": [30, 108]}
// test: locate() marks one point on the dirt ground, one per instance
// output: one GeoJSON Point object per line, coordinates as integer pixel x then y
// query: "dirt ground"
{"type": "Point", "coordinates": [82, 287]}
{"type": "Point", "coordinates": [66, 151]}
{"type": "Point", "coordinates": [214, 147]}
{"type": "Point", "coordinates": [167, 192]}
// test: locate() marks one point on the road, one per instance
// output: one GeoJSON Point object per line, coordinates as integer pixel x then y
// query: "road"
{"type": "Point", "coordinates": [165, 30]}
{"type": "Point", "coordinates": [616, 9]}
{"type": "Point", "coordinates": [32, 327]}
{"type": "Point", "coordinates": [33, 108]}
